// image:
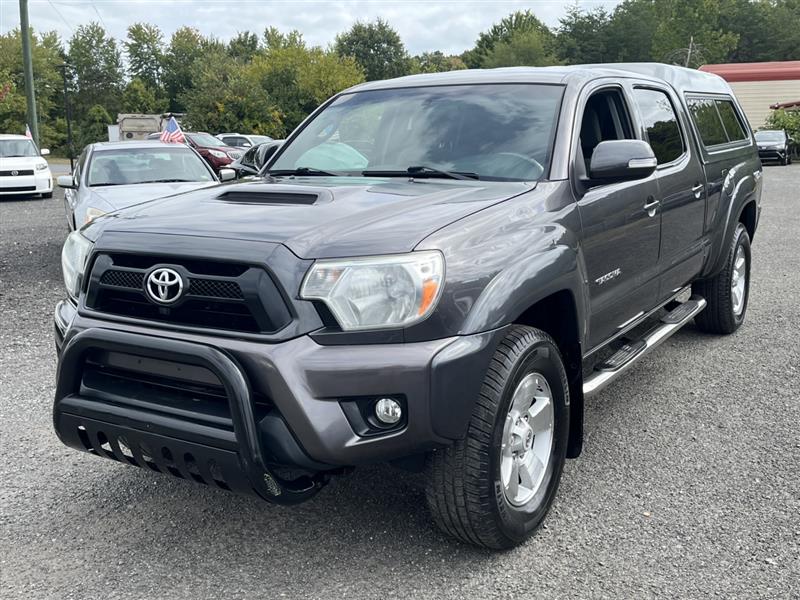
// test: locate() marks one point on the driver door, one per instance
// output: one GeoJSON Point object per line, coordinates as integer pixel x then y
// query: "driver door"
{"type": "Point", "coordinates": [621, 221]}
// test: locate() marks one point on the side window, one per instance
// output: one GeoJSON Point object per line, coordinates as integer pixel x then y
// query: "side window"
{"type": "Point", "coordinates": [605, 117]}
{"type": "Point", "coordinates": [707, 119]}
{"type": "Point", "coordinates": [79, 166]}
{"type": "Point", "coordinates": [663, 131]}
{"type": "Point", "coordinates": [733, 126]}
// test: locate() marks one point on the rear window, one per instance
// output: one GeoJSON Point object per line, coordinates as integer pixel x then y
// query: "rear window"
{"type": "Point", "coordinates": [717, 120]}
{"type": "Point", "coordinates": [730, 120]}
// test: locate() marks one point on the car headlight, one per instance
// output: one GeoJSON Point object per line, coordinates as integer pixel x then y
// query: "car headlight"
{"type": "Point", "coordinates": [73, 261]}
{"type": "Point", "coordinates": [92, 213]}
{"type": "Point", "coordinates": [41, 166]}
{"type": "Point", "coordinates": [218, 154]}
{"type": "Point", "coordinates": [377, 292]}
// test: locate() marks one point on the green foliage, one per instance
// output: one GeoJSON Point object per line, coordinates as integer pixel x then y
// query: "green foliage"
{"type": "Point", "coordinates": [377, 48]}
{"type": "Point", "coordinates": [583, 36]}
{"type": "Point", "coordinates": [138, 97]}
{"type": "Point", "coordinates": [97, 65]}
{"type": "Point", "coordinates": [523, 48]}
{"type": "Point", "coordinates": [785, 119]}
{"type": "Point", "coordinates": [94, 128]}
{"type": "Point", "coordinates": [244, 46]}
{"type": "Point", "coordinates": [503, 32]}
{"type": "Point", "coordinates": [698, 22]}
{"type": "Point", "coordinates": [435, 62]}
{"type": "Point", "coordinates": [145, 49]}
{"type": "Point", "coordinates": [185, 48]}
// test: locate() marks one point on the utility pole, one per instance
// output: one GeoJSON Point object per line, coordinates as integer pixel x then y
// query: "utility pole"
{"type": "Point", "coordinates": [27, 63]}
{"type": "Point", "coordinates": [67, 115]}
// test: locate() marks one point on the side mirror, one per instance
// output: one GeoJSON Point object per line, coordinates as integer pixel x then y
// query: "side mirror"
{"type": "Point", "coordinates": [44, 152]}
{"type": "Point", "coordinates": [66, 182]}
{"type": "Point", "coordinates": [227, 174]}
{"type": "Point", "coordinates": [622, 160]}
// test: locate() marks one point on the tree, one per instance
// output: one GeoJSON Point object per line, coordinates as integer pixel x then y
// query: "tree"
{"type": "Point", "coordinates": [98, 71]}
{"type": "Point", "coordinates": [523, 48]}
{"type": "Point", "coordinates": [376, 47]}
{"type": "Point", "coordinates": [145, 49]}
{"type": "Point", "coordinates": [520, 21]}
{"type": "Point", "coordinates": [139, 98]}
{"type": "Point", "coordinates": [630, 31]}
{"type": "Point", "coordinates": [94, 127]}
{"type": "Point", "coordinates": [185, 47]}
{"type": "Point", "coordinates": [436, 62]}
{"type": "Point", "coordinates": [244, 46]}
{"type": "Point", "coordinates": [696, 22]}
{"type": "Point", "coordinates": [582, 36]}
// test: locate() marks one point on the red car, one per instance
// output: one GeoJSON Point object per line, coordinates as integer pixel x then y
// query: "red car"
{"type": "Point", "coordinates": [214, 151]}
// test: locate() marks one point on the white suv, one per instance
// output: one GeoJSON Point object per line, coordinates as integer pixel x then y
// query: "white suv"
{"type": "Point", "coordinates": [22, 168]}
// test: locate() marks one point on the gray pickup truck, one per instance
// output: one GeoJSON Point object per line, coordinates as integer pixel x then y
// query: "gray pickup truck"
{"type": "Point", "coordinates": [432, 271]}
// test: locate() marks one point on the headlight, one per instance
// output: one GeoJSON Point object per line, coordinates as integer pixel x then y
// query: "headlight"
{"type": "Point", "coordinates": [218, 154]}
{"type": "Point", "coordinates": [93, 213]}
{"type": "Point", "coordinates": [377, 292]}
{"type": "Point", "coordinates": [73, 261]}
{"type": "Point", "coordinates": [41, 166]}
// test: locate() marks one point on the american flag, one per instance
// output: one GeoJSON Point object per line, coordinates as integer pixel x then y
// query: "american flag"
{"type": "Point", "coordinates": [172, 132]}
{"type": "Point", "coordinates": [28, 133]}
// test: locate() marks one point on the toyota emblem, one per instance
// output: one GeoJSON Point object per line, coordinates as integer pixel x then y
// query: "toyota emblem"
{"type": "Point", "coordinates": [14, 173]}
{"type": "Point", "coordinates": [164, 285]}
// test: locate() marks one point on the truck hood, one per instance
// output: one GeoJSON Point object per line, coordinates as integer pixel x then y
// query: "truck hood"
{"type": "Point", "coordinates": [122, 196]}
{"type": "Point", "coordinates": [317, 217]}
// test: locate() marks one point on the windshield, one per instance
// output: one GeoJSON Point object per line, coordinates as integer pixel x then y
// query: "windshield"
{"type": "Point", "coordinates": [20, 147]}
{"type": "Point", "coordinates": [205, 140]}
{"type": "Point", "coordinates": [126, 166]}
{"type": "Point", "coordinates": [769, 136]}
{"type": "Point", "coordinates": [495, 132]}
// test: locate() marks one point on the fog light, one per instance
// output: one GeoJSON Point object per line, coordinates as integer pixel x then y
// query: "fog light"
{"type": "Point", "coordinates": [388, 411]}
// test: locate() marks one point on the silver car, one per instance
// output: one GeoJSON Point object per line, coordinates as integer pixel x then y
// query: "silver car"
{"type": "Point", "coordinates": [114, 175]}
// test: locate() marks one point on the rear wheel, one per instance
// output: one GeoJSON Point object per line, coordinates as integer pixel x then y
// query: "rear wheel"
{"type": "Point", "coordinates": [727, 293]}
{"type": "Point", "coordinates": [494, 487]}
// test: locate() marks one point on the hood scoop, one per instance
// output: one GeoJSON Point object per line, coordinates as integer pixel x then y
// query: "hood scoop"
{"type": "Point", "coordinates": [245, 196]}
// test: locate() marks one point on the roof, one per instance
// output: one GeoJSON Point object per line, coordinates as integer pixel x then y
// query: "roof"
{"type": "Point", "coordinates": [13, 136]}
{"type": "Point", "coordinates": [763, 71]}
{"type": "Point", "coordinates": [679, 77]}
{"type": "Point", "coordinates": [133, 144]}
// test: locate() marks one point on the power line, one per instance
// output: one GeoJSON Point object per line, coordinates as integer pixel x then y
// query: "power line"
{"type": "Point", "coordinates": [60, 16]}
{"type": "Point", "coordinates": [99, 16]}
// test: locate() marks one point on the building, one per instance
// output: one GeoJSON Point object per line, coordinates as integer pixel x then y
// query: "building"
{"type": "Point", "coordinates": [759, 86]}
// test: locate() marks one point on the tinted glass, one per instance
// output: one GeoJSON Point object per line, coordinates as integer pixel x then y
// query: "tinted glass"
{"type": "Point", "coordinates": [146, 165]}
{"type": "Point", "coordinates": [706, 118]}
{"type": "Point", "coordinates": [731, 122]}
{"type": "Point", "coordinates": [495, 131]}
{"type": "Point", "coordinates": [18, 147]}
{"type": "Point", "coordinates": [663, 131]}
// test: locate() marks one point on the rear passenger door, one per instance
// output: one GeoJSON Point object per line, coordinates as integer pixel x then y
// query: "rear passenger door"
{"type": "Point", "coordinates": [681, 186]}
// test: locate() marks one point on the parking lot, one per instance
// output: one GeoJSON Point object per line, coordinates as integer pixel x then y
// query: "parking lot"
{"type": "Point", "coordinates": [689, 484]}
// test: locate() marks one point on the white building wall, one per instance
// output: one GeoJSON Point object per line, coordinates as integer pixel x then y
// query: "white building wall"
{"type": "Point", "coordinates": [756, 97]}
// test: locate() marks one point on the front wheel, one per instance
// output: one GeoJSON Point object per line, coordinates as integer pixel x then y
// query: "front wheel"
{"type": "Point", "coordinates": [728, 292]}
{"type": "Point", "coordinates": [47, 195]}
{"type": "Point", "coordinates": [494, 487]}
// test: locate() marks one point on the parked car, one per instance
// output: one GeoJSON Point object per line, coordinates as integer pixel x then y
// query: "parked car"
{"type": "Point", "coordinates": [23, 170]}
{"type": "Point", "coordinates": [254, 159]}
{"type": "Point", "coordinates": [774, 144]}
{"type": "Point", "coordinates": [113, 175]}
{"type": "Point", "coordinates": [216, 152]}
{"type": "Point", "coordinates": [435, 271]}
{"type": "Point", "coordinates": [239, 140]}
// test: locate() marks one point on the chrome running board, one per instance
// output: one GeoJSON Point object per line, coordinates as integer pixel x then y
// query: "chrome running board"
{"type": "Point", "coordinates": [622, 360]}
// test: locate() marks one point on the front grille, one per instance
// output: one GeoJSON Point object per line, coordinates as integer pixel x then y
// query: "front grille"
{"type": "Point", "coordinates": [16, 173]}
{"type": "Point", "coordinates": [218, 295]}
{"type": "Point", "coordinates": [27, 188]}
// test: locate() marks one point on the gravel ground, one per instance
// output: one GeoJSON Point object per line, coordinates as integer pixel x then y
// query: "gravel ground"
{"type": "Point", "coordinates": [688, 485]}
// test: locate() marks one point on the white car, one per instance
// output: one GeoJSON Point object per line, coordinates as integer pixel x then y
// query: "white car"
{"type": "Point", "coordinates": [241, 140]}
{"type": "Point", "coordinates": [22, 168]}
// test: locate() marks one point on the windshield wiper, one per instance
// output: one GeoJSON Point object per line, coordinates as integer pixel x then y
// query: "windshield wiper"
{"type": "Point", "coordinates": [422, 171]}
{"type": "Point", "coordinates": [302, 171]}
{"type": "Point", "coordinates": [168, 181]}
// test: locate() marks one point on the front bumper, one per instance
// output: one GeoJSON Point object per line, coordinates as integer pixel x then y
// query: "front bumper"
{"type": "Point", "coordinates": [772, 154]}
{"type": "Point", "coordinates": [310, 390]}
{"type": "Point", "coordinates": [41, 182]}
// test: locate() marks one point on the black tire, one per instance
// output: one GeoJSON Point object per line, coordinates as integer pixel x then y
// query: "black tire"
{"type": "Point", "coordinates": [47, 195]}
{"type": "Point", "coordinates": [719, 315]}
{"type": "Point", "coordinates": [464, 491]}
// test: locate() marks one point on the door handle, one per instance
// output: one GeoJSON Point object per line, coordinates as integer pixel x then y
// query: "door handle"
{"type": "Point", "coordinates": [651, 206]}
{"type": "Point", "coordinates": [698, 190]}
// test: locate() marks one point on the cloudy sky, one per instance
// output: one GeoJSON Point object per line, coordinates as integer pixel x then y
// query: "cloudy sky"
{"type": "Point", "coordinates": [448, 25]}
